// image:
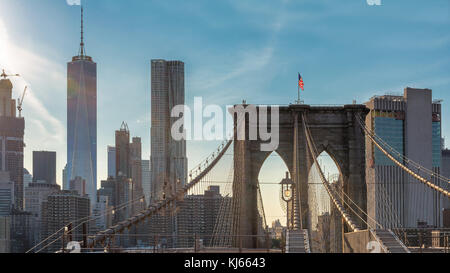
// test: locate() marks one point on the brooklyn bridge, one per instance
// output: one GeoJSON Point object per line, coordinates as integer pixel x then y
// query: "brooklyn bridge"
{"type": "Point", "coordinates": [305, 132]}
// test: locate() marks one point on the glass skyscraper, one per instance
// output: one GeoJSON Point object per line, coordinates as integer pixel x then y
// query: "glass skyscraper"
{"type": "Point", "coordinates": [82, 119]}
{"type": "Point", "coordinates": [411, 125]}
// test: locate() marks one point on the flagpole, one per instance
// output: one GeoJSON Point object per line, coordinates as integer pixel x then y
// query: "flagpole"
{"type": "Point", "coordinates": [298, 101]}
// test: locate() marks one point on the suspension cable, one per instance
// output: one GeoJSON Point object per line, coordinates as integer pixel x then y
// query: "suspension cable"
{"type": "Point", "coordinates": [149, 212]}
{"type": "Point", "coordinates": [398, 154]}
{"type": "Point", "coordinates": [335, 200]}
{"type": "Point", "coordinates": [120, 207]}
{"type": "Point", "coordinates": [415, 175]}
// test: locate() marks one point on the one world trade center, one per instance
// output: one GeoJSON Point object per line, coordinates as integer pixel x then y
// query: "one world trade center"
{"type": "Point", "coordinates": [82, 120]}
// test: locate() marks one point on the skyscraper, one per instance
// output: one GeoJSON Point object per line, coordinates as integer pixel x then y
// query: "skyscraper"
{"type": "Point", "coordinates": [168, 157]}
{"type": "Point", "coordinates": [146, 179]}
{"type": "Point", "coordinates": [111, 161]}
{"type": "Point", "coordinates": [123, 151]}
{"type": "Point", "coordinates": [60, 209]}
{"type": "Point", "coordinates": [27, 178]}
{"type": "Point", "coordinates": [65, 178]}
{"type": "Point", "coordinates": [6, 194]}
{"type": "Point", "coordinates": [35, 194]}
{"type": "Point", "coordinates": [44, 166]}
{"type": "Point", "coordinates": [11, 140]}
{"type": "Point", "coordinates": [123, 190]}
{"type": "Point", "coordinates": [136, 166]}
{"type": "Point", "coordinates": [128, 163]}
{"type": "Point", "coordinates": [82, 119]}
{"type": "Point", "coordinates": [411, 124]}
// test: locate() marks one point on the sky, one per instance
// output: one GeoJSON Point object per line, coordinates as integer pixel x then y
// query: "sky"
{"type": "Point", "coordinates": [233, 50]}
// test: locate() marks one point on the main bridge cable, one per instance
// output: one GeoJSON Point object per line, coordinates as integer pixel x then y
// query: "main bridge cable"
{"type": "Point", "coordinates": [398, 163]}
{"type": "Point", "coordinates": [353, 226]}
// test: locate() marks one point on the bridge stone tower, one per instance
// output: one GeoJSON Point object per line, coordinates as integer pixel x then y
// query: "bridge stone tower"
{"type": "Point", "coordinates": [333, 129]}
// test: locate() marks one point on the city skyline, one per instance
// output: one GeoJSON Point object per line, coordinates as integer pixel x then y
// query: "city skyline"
{"type": "Point", "coordinates": [239, 60]}
{"type": "Point", "coordinates": [116, 133]}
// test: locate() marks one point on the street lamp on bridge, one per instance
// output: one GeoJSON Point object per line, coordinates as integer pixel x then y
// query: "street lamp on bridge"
{"type": "Point", "coordinates": [287, 189]}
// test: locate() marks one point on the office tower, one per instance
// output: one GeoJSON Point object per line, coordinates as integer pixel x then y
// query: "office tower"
{"type": "Point", "coordinates": [62, 208]}
{"type": "Point", "coordinates": [411, 124]}
{"type": "Point", "coordinates": [111, 161]}
{"type": "Point", "coordinates": [35, 195]}
{"type": "Point", "coordinates": [44, 166]}
{"type": "Point", "coordinates": [6, 194]}
{"type": "Point", "coordinates": [27, 178]}
{"type": "Point", "coordinates": [168, 157]}
{"type": "Point", "coordinates": [136, 168]}
{"type": "Point", "coordinates": [5, 236]}
{"type": "Point", "coordinates": [82, 119]}
{"type": "Point", "coordinates": [128, 170]}
{"type": "Point", "coordinates": [11, 140]}
{"type": "Point", "coordinates": [23, 225]}
{"type": "Point", "coordinates": [123, 151]}
{"type": "Point", "coordinates": [78, 185]}
{"type": "Point", "coordinates": [199, 215]}
{"type": "Point", "coordinates": [101, 214]}
{"type": "Point", "coordinates": [107, 189]}
{"type": "Point", "coordinates": [146, 179]}
{"type": "Point", "coordinates": [118, 190]}
{"type": "Point", "coordinates": [65, 178]}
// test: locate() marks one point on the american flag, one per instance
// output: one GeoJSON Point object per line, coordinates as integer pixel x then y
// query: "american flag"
{"type": "Point", "coordinates": [300, 82]}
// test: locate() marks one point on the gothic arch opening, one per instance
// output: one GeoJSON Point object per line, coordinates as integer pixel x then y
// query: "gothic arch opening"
{"type": "Point", "coordinates": [272, 171]}
{"type": "Point", "coordinates": [324, 222]}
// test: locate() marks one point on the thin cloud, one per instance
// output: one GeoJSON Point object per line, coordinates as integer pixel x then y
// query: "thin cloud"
{"type": "Point", "coordinates": [43, 129]}
{"type": "Point", "coordinates": [73, 2]}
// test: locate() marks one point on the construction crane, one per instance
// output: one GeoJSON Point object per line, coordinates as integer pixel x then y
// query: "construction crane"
{"type": "Point", "coordinates": [4, 75]}
{"type": "Point", "coordinates": [20, 102]}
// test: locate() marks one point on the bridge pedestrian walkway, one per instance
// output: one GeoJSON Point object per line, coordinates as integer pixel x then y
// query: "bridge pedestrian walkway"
{"type": "Point", "coordinates": [391, 243]}
{"type": "Point", "coordinates": [297, 241]}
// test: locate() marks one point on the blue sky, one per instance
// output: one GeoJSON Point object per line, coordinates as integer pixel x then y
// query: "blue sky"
{"type": "Point", "coordinates": [233, 50]}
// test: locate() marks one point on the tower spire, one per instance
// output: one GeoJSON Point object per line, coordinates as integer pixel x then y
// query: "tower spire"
{"type": "Point", "coordinates": [82, 33]}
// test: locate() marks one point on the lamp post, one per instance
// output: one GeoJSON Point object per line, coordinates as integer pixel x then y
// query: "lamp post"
{"type": "Point", "coordinates": [287, 189]}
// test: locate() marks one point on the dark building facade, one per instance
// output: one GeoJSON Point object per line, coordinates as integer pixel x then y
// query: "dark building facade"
{"type": "Point", "coordinates": [44, 166]}
{"type": "Point", "coordinates": [23, 225]}
{"type": "Point", "coordinates": [123, 151]}
{"type": "Point", "coordinates": [11, 140]}
{"type": "Point", "coordinates": [62, 208]}
{"type": "Point", "coordinates": [136, 170]}
{"type": "Point", "coordinates": [82, 120]}
{"type": "Point", "coordinates": [118, 190]}
{"type": "Point", "coordinates": [206, 216]}
{"type": "Point", "coordinates": [446, 173]}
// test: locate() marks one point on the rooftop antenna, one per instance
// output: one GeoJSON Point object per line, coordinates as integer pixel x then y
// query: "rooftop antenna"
{"type": "Point", "coordinates": [82, 33]}
{"type": "Point", "coordinates": [124, 127]}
